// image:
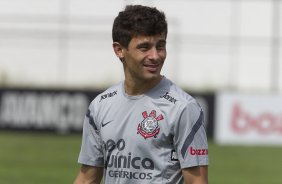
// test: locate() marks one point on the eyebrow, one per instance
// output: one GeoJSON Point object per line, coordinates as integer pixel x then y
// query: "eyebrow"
{"type": "Point", "coordinates": [162, 41]}
{"type": "Point", "coordinates": [143, 44]}
{"type": "Point", "coordinates": [146, 43]}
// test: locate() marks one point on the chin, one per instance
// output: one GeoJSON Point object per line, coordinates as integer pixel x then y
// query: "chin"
{"type": "Point", "coordinates": [152, 76]}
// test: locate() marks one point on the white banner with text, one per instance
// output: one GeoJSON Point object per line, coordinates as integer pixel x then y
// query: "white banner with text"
{"type": "Point", "coordinates": [248, 119]}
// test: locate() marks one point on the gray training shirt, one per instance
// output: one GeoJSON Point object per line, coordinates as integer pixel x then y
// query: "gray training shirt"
{"type": "Point", "coordinates": [144, 139]}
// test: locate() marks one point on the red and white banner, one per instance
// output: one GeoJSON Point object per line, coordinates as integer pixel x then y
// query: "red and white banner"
{"type": "Point", "coordinates": [248, 119]}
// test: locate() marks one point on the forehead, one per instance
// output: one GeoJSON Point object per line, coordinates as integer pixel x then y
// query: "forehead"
{"type": "Point", "coordinates": [147, 39]}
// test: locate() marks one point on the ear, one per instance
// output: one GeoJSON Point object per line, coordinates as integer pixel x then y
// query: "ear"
{"type": "Point", "coordinates": [118, 49]}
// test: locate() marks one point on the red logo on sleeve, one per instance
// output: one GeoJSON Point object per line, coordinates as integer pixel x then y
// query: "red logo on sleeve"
{"type": "Point", "coordinates": [198, 151]}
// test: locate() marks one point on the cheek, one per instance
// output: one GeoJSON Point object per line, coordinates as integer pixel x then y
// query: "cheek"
{"type": "Point", "coordinates": [132, 64]}
{"type": "Point", "coordinates": [163, 58]}
{"type": "Point", "coordinates": [162, 55]}
{"type": "Point", "coordinates": [134, 57]}
{"type": "Point", "coordinates": [135, 61]}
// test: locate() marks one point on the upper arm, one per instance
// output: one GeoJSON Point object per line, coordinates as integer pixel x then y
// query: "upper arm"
{"type": "Point", "coordinates": [89, 175]}
{"type": "Point", "coordinates": [195, 175]}
{"type": "Point", "coordinates": [190, 138]}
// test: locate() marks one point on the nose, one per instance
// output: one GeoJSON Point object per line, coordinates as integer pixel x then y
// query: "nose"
{"type": "Point", "coordinates": [153, 54]}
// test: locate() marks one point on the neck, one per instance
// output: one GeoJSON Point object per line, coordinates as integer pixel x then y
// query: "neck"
{"type": "Point", "coordinates": [140, 87]}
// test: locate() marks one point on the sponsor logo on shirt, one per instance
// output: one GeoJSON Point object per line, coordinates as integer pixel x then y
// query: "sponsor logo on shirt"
{"type": "Point", "coordinates": [104, 124]}
{"type": "Point", "coordinates": [126, 165]}
{"type": "Point", "coordinates": [198, 151]}
{"type": "Point", "coordinates": [149, 127]}
{"type": "Point", "coordinates": [108, 95]}
{"type": "Point", "coordinates": [169, 98]}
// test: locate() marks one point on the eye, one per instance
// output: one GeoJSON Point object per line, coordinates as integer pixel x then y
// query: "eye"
{"type": "Point", "coordinates": [143, 47]}
{"type": "Point", "coordinates": [161, 45]}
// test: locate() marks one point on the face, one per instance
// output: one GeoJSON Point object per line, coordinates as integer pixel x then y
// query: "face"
{"type": "Point", "coordinates": [144, 58]}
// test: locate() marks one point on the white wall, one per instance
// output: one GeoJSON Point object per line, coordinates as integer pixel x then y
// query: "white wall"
{"type": "Point", "coordinates": [212, 44]}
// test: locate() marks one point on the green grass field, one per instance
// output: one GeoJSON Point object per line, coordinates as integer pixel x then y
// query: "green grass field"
{"type": "Point", "coordinates": [40, 158]}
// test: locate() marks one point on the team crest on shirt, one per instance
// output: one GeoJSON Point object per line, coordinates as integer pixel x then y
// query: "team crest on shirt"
{"type": "Point", "coordinates": [149, 127]}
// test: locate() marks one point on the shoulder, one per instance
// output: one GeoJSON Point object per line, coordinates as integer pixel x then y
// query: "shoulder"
{"type": "Point", "coordinates": [107, 94]}
{"type": "Point", "coordinates": [176, 94]}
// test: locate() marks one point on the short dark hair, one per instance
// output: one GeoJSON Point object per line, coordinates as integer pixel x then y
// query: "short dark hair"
{"type": "Point", "coordinates": [138, 20]}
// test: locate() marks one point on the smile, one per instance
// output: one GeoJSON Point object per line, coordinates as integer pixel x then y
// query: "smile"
{"type": "Point", "coordinates": [151, 67]}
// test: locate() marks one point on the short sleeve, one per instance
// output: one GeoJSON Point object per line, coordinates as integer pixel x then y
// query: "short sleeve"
{"type": "Point", "coordinates": [91, 152]}
{"type": "Point", "coordinates": [190, 137]}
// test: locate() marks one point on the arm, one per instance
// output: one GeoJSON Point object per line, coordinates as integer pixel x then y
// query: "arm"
{"type": "Point", "coordinates": [195, 175]}
{"type": "Point", "coordinates": [89, 175]}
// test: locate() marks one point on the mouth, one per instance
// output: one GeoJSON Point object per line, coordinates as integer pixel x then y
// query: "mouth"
{"type": "Point", "coordinates": [152, 67]}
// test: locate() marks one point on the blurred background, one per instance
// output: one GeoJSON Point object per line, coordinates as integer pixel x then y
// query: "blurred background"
{"type": "Point", "coordinates": [56, 56]}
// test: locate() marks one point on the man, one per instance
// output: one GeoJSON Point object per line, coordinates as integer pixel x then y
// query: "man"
{"type": "Point", "coordinates": [144, 129]}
